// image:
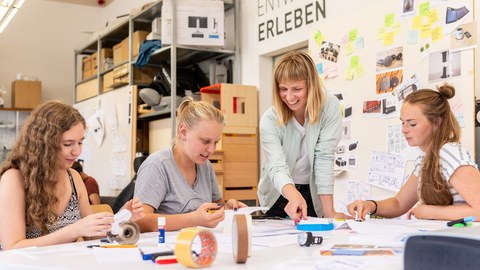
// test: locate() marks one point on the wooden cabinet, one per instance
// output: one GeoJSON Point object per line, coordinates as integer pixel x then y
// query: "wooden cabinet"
{"type": "Point", "coordinates": [236, 161]}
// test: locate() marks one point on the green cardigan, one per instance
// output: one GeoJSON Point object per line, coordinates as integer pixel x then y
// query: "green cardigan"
{"type": "Point", "coordinates": [281, 146]}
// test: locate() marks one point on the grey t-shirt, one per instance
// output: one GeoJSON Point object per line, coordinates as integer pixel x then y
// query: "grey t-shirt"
{"type": "Point", "coordinates": [161, 185]}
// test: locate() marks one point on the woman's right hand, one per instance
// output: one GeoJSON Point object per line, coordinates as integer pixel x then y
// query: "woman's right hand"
{"type": "Point", "coordinates": [209, 219]}
{"type": "Point", "coordinates": [94, 225]}
{"type": "Point", "coordinates": [362, 208]}
{"type": "Point", "coordinates": [296, 207]}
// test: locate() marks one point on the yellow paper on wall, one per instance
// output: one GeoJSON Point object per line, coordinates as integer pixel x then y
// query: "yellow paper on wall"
{"type": "Point", "coordinates": [359, 71]}
{"type": "Point", "coordinates": [349, 48]}
{"type": "Point", "coordinates": [417, 22]}
{"type": "Point", "coordinates": [433, 16]}
{"type": "Point", "coordinates": [348, 74]}
{"type": "Point", "coordinates": [437, 34]}
{"type": "Point", "coordinates": [381, 33]}
{"type": "Point", "coordinates": [425, 31]}
{"type": "Point", "coordinates": [388, 39]}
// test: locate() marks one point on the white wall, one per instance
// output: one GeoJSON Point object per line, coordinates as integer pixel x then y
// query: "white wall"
{"type": "Point", "coordinates": [257, 56]}
{"type": "Point", "coordinates": [41, 39]}
{"type": "Point", "coordinates": [40, 42]}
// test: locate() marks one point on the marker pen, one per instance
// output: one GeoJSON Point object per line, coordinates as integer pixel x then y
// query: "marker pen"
{"type": "Point", "coordinates": [461, 220]}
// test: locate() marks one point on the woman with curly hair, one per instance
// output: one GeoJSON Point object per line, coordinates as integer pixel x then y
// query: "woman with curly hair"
{"type": "Point", "coordinates": [445, 182]}
{"type": "Point", "coordinates": [42, 201]}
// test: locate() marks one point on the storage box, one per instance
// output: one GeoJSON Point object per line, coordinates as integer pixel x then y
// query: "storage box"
{"type": "Point", "coordinates": [26, 94]}
{"type": "Point", "coordinates": [120, 52]}
{"type": "Point", "coordinates": [86, 90]}
{"type": "Point", "coordinates": [138, 38]}
{"type": "Point", "coordinates": [199, 22]}
{"type": "Point", "coordinates": [87, 70]}
{"type": "Point", "coordinates": [237, 102]}
{"type": "Point", "coordinates": [107, 81]}
{"type": "Point", "coordinates": [106, 57]}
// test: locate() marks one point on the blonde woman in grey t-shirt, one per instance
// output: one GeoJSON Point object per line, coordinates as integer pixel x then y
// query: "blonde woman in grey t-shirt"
{"type": "Point", "coordinates": [179, 182]}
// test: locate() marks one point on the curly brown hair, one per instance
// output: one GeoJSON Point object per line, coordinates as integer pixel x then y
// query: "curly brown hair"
{"type": "Point", "coordinates": [434, 190]}
{"type": "Point", "coordinates": [35, 155]}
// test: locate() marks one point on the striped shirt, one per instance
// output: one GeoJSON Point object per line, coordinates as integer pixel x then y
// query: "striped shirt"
{"type": "Point", "coordinates": [452, 156]}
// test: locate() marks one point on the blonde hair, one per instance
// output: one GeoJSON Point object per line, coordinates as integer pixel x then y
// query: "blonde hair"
{"type": "Point", "coordinates": [36, 154]}
{"type": "Point", "coordinates": [297, 66]}
{"type": "Point", "coordinates": [434, 190]}
{"type": "Point", "coordinates": [191, 112]}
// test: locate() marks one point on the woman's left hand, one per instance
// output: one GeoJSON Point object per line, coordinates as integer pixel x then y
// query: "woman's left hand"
{"type": "Point", "coordinates": [234, 204]}
{"type": "Point", "coordinates": [136, 207]}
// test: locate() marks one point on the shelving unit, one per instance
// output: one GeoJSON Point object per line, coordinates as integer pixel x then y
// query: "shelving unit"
{"type": "Point", "coordinates": [11, 121]}
{"type": "Point", "coordinates": [173, 55]}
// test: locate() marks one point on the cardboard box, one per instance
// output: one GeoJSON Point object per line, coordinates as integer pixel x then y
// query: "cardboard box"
{"type": "Point", "coordinates": [106, 56]}
{"type": "Point", "coordinates": [87, 67]}
{"type": "Point", "coordinates": [86, 90]}
{"type": "Point", "coordinates": [26, 94]}
{"type": "Point", "coordinates": [199, 22]}
{"type": "Point", "coordinates": [107, 81]}
{"type": "Point", "coordinates": [238, 103]}
{"type": "Point", "coordinates": [94, 63]}
{"type": "Point", "coordinates": [138, 38]}
{"type": "Point", "coordinates": [120, 52]}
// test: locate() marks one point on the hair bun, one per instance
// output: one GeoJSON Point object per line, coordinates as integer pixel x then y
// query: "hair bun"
{"type": "Point", "coordinates": [447, 91]}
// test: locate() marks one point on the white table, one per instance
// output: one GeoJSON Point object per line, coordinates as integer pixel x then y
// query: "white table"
{"type": "Point", "coordinates": [291, 256]}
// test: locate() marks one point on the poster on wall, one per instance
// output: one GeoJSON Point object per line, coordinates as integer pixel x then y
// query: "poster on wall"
{"type": "Point", "coordinates": [444, 64]}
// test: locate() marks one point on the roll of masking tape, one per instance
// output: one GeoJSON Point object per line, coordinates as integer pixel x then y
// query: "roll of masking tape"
{"type": "Point", "coordinates": [240, 238]}
{"type": "Point", "coordinates": [189, 258]}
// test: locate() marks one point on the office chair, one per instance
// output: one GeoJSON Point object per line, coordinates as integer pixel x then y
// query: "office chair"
{"type": "Point", "coordinates": [127, 192]}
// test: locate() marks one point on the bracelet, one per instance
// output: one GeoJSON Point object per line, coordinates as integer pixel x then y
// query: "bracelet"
{"type": "Point", "coordinates": [376, 207]}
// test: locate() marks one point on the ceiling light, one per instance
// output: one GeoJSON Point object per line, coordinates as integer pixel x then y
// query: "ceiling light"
{"type": "Point", "coordinates": [8, 9]}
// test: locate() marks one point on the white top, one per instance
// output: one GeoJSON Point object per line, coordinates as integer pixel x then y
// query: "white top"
{"type": "Point", "coordinates": [452, 156]}
{"type": "Point", "coordinates": [301, 171]}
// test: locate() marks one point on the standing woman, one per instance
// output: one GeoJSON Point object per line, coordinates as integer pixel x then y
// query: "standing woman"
{"type": "Point", "coordinates": [42, 201]}
{"type": "Point", "coordinates": [445, 181]}
{"type": "Point", "coordinates": [179, 182]}
{"type": "Point", "coordinates": [299, 134]}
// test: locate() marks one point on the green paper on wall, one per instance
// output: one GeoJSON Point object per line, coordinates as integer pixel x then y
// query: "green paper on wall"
{"type": "Point", "coordinates": [389, 18]}
{"type": "Point", "coordinates": [352, 35]}
{"type": "Point", "coordinates": [354, 61]}
{"type": "Point", "coordinates": [319, 38]}
{"type": "Point", "coordinates": [424, 8]}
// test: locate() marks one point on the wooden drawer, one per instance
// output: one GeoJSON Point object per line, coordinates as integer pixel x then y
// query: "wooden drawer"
{"type": "Point", "coordinates": [239, 139]}
{"type": "Point", "coordinates": [217, 166]}
{"type": "Point", "coordinates": [241, 194]}
{"type": "Point", "coordinates": [240, 174]}
{"type": "Point", "coordinates": [245, 152]}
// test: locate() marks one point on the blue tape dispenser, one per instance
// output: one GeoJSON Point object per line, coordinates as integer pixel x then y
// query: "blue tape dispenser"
{"type": "Point", "coordinates": [315, 224]}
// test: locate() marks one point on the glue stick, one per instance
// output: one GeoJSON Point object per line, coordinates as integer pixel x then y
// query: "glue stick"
{"type": "Point", "coordinates": [161, 230]}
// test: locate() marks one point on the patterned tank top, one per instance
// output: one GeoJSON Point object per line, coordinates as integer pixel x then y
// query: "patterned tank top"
{"type": "Point", "coordinates": [70, 215]}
